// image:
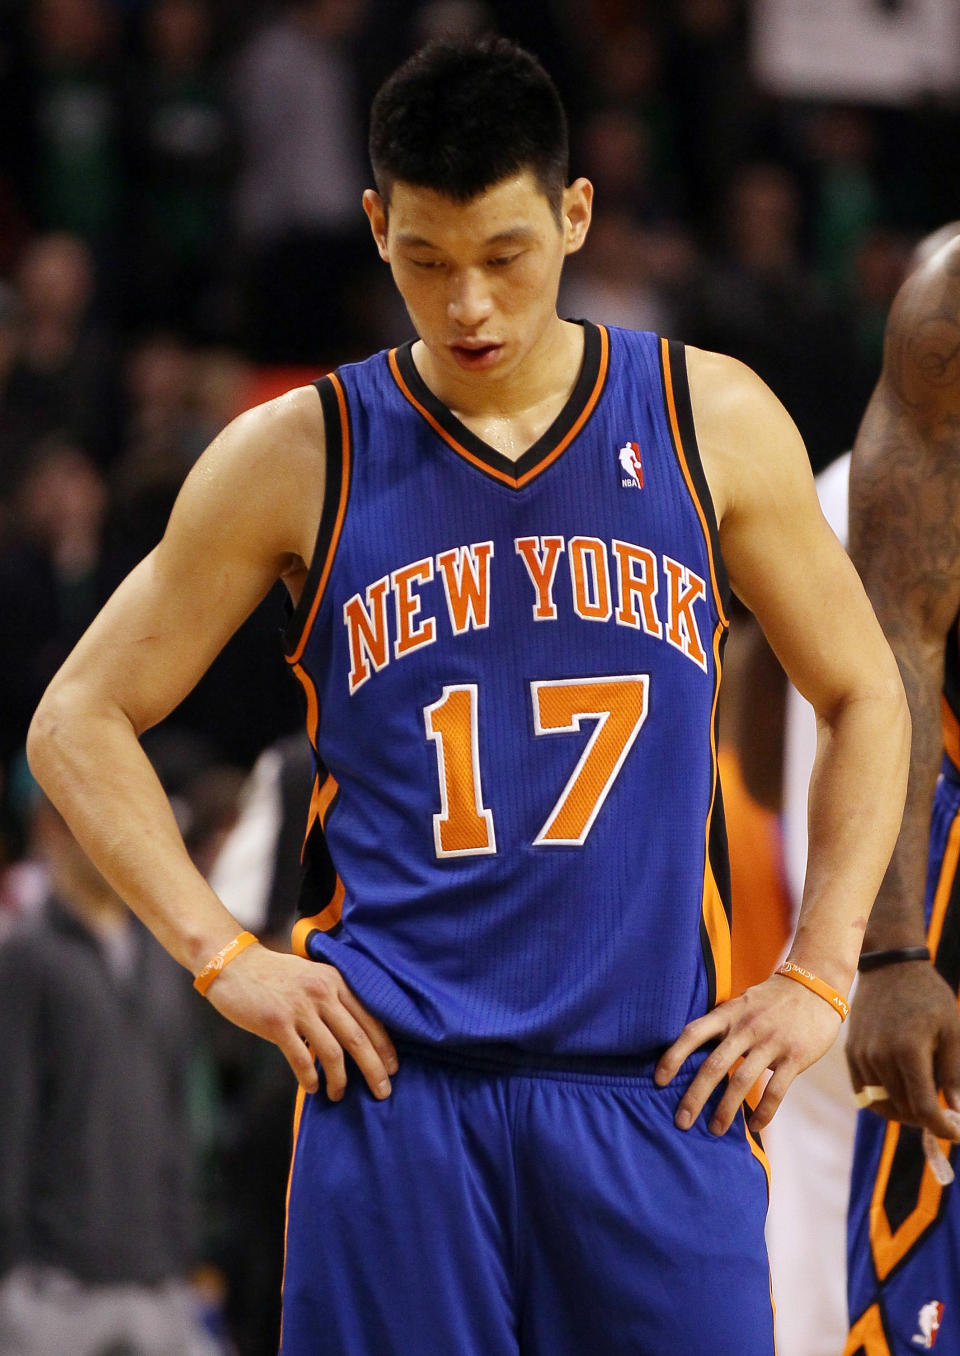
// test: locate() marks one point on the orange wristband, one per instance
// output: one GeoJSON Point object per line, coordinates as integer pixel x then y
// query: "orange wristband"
{"type": "Point", "coordinates": [223, 957]}
{"type": "Point", "coordinates": [817, 986]}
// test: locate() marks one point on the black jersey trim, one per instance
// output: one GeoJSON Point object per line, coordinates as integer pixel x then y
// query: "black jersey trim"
{"type": "Point", "coordinates": [578, 408]}
{"type": "Point", "coordinates": [951, 693]}
{"type": "Point", "coordinates": [717, 845]}
{"type": "Point", "coordinates": [336, 423]}
{"type": "Point", "coordinates": [676, 391]}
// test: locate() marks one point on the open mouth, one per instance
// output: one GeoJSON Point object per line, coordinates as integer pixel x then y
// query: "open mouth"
{"type": "Point", "coordinates": [475, 355]}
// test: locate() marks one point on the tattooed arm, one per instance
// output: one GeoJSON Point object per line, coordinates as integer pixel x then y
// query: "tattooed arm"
{"type": "Point", "coordinates": [905, 541]}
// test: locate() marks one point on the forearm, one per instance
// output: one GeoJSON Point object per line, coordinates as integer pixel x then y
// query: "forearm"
{"type": "Point", "coordinates": [94, 770]}
{"type": "Point", "coordinates": [897, 918]}
{"type": "Point", "coordinates": [857, 790]}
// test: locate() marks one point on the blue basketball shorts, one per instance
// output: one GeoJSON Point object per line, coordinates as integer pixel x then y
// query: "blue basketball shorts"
{"type": "Point", "coordinates": [903, 1234]}
{"type": "Point", "coordinates": [488, 1208]}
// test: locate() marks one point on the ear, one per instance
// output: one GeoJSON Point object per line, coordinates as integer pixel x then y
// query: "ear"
{"type": "Point", "coordinates": [376, 212]}
{"type": "Point", "coordinates": [577, 212]}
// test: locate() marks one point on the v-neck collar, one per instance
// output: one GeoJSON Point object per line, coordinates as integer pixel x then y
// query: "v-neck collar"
{"type": "Point", "coordinates": [546, 449]}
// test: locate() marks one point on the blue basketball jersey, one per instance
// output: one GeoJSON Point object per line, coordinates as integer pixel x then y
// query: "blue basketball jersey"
{"type": "Point", "coordinates": [511, 672]}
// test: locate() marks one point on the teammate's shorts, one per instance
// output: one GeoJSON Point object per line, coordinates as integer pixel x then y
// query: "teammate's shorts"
{"type": "Point", "coordinates": [903, 1227]}
{"type": "Point", "coordinates": [487, 1208]}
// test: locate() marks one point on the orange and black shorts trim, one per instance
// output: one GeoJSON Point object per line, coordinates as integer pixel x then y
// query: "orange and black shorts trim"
{"type": "Point", "coordinates": [339, 447]}
{"type": "Point", "coordinates": [907, 1200]}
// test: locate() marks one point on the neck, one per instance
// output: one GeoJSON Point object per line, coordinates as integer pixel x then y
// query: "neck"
{"type": "Point", "coordinates": [547, 373]}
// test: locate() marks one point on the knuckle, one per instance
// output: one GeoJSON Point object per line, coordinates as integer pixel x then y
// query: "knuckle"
{"type": "Point", "coordinates": [333, 1068]}
{"type": "Point", "coordinates": [742, 1079]}
{"type": "Point", "coordinates": [355, 1042]}
{"type": "Point", "coordinates": [276, 1026]}
{"type": "Point", "coordinates": [320, 990]}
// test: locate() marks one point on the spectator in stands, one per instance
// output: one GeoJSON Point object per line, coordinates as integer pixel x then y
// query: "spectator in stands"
{"type": "Point", "coordinates": [77, 131]}
{"type": "Point", "coordinates": [184, 163]}
{"type": "Point", "coordinates": [61, 378]}
{"type": "Point", "coordinates": [301, 180]}
{"type": "Point", "coordinates": [758, 302]}
{"type": "Point", "coordinates": [55, 574]}
{"type": "Point", "coordinates": [95, 1148]}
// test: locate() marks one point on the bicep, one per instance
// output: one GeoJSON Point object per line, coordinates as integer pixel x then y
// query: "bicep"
{"type": "Point", "coordinates": [159, 633]}
{"type": "Point", "coordinates": [793, 574]}
{"type": "Point", "coordinates": [240, 520]}
{"type": "Point", "coordinates": [904, 517]}
{"type": "Point", "coordinates": [783, 559]}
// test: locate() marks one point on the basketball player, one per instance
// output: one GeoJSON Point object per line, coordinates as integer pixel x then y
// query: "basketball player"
{"type": "Point", "coordinates": [508, 544]}
{"type": "Point", "coordinates": [904, 1044]}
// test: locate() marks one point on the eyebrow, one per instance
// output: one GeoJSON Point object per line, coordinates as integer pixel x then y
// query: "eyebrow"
{"type": "Point", "coordinates": [517, 235]}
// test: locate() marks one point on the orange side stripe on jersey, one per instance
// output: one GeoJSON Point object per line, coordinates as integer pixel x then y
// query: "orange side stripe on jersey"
{"type": "Point", "coordinates": [324, 796]}
{"type": "Point", "coordinates": [313, 704]}
{"type": "Point", "coordinates": [951, 732]}
{"type": "Point", "coordinates": [338, 523]}
{"type": "Point", "coordinates": [714, 914]}
{"type": "Point", "coordinates": [515, 482]}
{"type": "Point", "coordinates": [320, 799]}
{"type": "Point", "coordinates": [755, 1146]}
{"type": "Point", "coordinates": [866, 1337]}
{"type": "Point", "coordinates": [323, 921]}
{"type": "Point", "coordinates": [889, 1247]}
{"type": "Point", "coordinates": [941, 898]}
{"type": "Point", "coordinates": [681, 455]}
{"type": "Point", "coordinates": [297, 1113]}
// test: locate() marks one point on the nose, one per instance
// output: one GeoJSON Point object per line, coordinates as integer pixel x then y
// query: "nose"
{"type": "Point", "coordinates": [470, 302]}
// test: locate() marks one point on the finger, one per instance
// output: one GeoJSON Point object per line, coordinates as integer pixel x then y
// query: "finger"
{"type": "Point", "coordinates": [357, 1044]}
{"type": "Point", "coordinates": [322, 1045]}
{"type": "Point", "coordinates": [917, 1101]}
{"type": "Point", "coordinates": [711, 1073]}
{"type": "Point", "coordinates": [773, 1095]}
{"type": "Point", "coordinates": [301, 1059]}
{"type": "Point", "coordinates": [742, 1080]}
{"type": "Point", "coordinates": [693, 1035]}
{"type": "Point", "coordinates": [376, 1032]}
{"type": "Point", "coordinates": [948, 1065]}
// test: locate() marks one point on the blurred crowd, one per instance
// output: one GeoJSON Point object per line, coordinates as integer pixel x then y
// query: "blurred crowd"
{"type": "Point", "coordinates": [181, 236]}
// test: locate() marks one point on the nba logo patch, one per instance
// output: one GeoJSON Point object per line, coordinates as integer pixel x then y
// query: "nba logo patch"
{"type": "Point", "coordinates": [632, 464]}
{"type": "Point", "coordinates": [928, 1321]}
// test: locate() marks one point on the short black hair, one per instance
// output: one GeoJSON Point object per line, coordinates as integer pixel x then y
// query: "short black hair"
{"type": "Point", "coordinates": [459, 117]}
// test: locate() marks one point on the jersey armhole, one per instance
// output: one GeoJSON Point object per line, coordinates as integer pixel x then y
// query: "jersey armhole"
{"type": "Point", "coordinates": [336, 423]}
{"type": "Point", "coordinates": [676, 393]}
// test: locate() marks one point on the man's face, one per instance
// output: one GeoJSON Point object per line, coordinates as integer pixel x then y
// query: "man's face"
{"type": "Point", "coordinates": [480, 278]}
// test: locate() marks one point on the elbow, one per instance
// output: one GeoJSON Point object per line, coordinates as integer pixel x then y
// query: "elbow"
{"type": "Point", "coordinates": [47, 734]}
{"type": "Point", "coordinates": [42, 735]}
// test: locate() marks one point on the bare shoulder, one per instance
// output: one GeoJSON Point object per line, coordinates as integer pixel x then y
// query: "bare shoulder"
{"type": "Point", "coordinates": [749, 444]}
{"type": "Point", "coordinates": [782, 558]}
{"type": "Point", "coordinates": [921, 361]}
{"type": "Point", "coordinates": [264, 471]}
{"type": "Point", "coordinates": [905, 472]}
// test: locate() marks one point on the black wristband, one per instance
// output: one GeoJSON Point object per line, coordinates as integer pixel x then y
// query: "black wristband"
{"type": "Point", "coordinates": [872, 960]}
